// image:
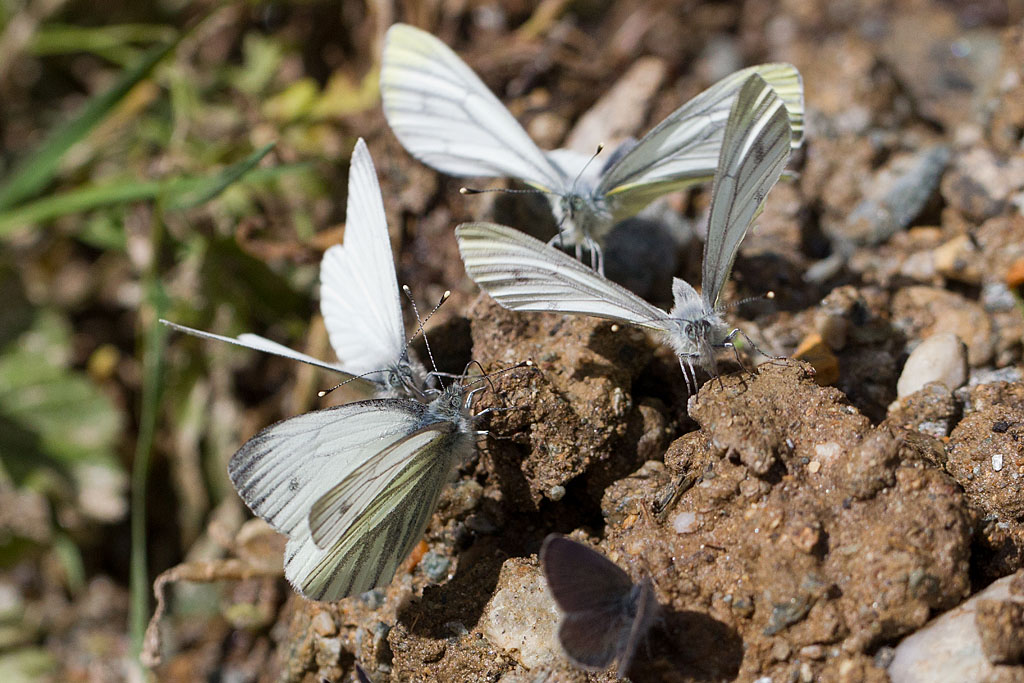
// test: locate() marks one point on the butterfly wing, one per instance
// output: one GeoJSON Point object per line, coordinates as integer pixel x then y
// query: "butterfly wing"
{"type": "Point", "coordinates": [360, 530]}
{"type": "Point", "coordinates": [358, 288]}
{"type": "Point", "coordinates": [591, 639]}
{"type": "Point", "coordinates": [755, 148]}
{"type": "Point", "coordinates": [646, 610]}
{"type": "Point", "coordinates": [445, 116]}
{"type": "Point", "coordinates": [684, 148]}
{"type": "Point", "coordinates": [258, 343]}
{"type": "Point", "coordinates": [580, 578]}
{"type": "Point", "coordinates": [524, 274]}
{"type": "Point", "coordinates": [285, 468]}
{"type": "Point", "coordinates": [594, 593]}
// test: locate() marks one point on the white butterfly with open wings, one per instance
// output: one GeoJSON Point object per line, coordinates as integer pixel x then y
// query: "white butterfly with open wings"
{"type": "Point", "coordinates": [359, 298]}
{"type": "Point", "coordinates": [447, 118]}
{"type": "Point", "coordinates": [524, 274]}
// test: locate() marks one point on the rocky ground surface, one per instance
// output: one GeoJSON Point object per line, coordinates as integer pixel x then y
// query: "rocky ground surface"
{"type": "Point", "coordinates": [842, 515]}
{"type": "Point", "coordinates": [808, 520]}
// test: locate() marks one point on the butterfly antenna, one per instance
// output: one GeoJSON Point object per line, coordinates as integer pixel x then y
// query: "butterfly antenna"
{"type": "Point", "coordinates": [420, 321]}
{"type": "Point", "coordinates": [734, 304]}
{"type": "Point", "coordinates": [324, 392]}
{"type": "Point", "coordinates": [600, 148]}
{"type": "Point", "coordinates": [486, 376]}
{"type": "Point", "coordinates": [503, 190]}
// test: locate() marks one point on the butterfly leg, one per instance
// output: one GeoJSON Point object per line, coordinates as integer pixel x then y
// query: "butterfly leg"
{"type": "Point", "coordinates": [503, 409]}
{"type": "Point", "coordinates": [470, 396]}
{"type": "Point", "coordinates": [687, 369]}
{"type": "Point", "coordinates": [596, 255]}
{"type": "Point", "coordinates": [738, 332]}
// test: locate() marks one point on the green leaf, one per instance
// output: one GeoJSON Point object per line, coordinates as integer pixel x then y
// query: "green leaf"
{"type": "Point", "coordinates": [56, 416]}
{"type": "Point", "coordinates": [35, 172]}
{"type": "Point", "coordinates": [153, 366]}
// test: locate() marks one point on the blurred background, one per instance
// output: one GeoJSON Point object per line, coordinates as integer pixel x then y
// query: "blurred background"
{"type": "Point", "coordinates": [188, 160]}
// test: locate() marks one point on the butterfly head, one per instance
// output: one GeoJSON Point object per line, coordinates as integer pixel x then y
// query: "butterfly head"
{"type": "Point", "coordinates": [405, 379]}
{"type": "Point", "coordinates": [454, 401]}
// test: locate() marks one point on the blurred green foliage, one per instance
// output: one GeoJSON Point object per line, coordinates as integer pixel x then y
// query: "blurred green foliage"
{"type": "Point", "coordinates": [148, 169]}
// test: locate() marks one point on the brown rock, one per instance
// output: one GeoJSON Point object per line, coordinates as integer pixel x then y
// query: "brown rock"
{"type": "Point", "coordinates": [986, 451]}
{"type": "Point", "coordinates": [1000, 624]}
{"type": "Point", "coordinates": [574, 410]}
{"type": "Point", "coordinates": [857, 553]}
{"type": "Point", "coordinates": [958, 260]}
{"type": "Point", "coordinates": [924, 311]}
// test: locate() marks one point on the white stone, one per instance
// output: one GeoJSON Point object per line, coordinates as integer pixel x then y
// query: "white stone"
{"type": "Point", "coordinates": [948, 648]}
{"type": "Point", "coordinates": [684, 522]}
{"type": "Point", "coordinates": [997, 462]}
{"type": "Point", "coordinates": [828, 451]}
{"type": "Point", "coordinates": [521, 616]}
{"type": "Point", "coordinates": [940, 358]}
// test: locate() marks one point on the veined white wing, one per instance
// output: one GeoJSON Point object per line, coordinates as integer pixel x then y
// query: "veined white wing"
{"type": "Point", "coordinates": [755, 148]}
{"type": "Point", "coordinates": [258, 343]}
{"type": "Point", "coordinates": [285, 468]}
{"type": "Point", "coordinates": [684, 148]}
{"type": "Point", "coordinates": [358, 288]}
{"type": "Point", "coordinates": [524, 274]}
{"type": "Point", "coordinates": [353, 486]}
{"type": "Point", "coordinates": [358, 298]}
{"type": "Point", "coordinates": [446, 117]}
{"type": "Point", "coordinates": [362, 529]}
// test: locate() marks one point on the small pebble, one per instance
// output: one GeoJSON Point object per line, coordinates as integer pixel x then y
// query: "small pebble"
{"type": "Point", "coordinates": [827, 451]}
{"type": "Point", "coordinates": [684, 522]}
{"type": "Point", "coordinates": [556, 493]}
{"type": "Point", "coordinates": [940, 358]}
{"type": "Point", "coordinates": [813, 466]}
{"type": "Point", "coordinates": [997, 462]}
{"type": "Point", "coordinates": [959, 260]}
{"type": "Point", "coordinates": [323, 624]}
{"type": "Point", "coordinates": [781, 651]}
{"type": "Point", "coordinates": [435, 565]}
{"type": "Point", "coordinates": [812, 652]}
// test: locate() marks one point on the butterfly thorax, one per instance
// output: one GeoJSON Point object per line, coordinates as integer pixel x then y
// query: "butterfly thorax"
{"type": "Point", "coordinates": [582, 216]}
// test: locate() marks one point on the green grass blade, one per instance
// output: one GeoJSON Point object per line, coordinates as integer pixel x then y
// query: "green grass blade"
{"type": "Point", "coordinates": [205, 189]}
{"type": "Point", "coordinates": [33, 174]}
{"type": "Point", "coordinates": [153, 365]}
{"type": "Point", "coordinates": [175, 191]}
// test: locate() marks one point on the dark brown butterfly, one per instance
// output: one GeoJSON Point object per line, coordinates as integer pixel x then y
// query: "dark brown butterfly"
{"type": "Point", "coordinates": [606, 614]}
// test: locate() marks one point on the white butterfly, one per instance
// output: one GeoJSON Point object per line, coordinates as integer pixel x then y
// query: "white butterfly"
{"type": "Point", "coordinates": [524, 274]}
{"type": "Point", "coordinates": [354, 486]}
{"type": "Point", "coordinates": [447, 118]}
{"type": "Point", "coordinates": [358, 298]}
